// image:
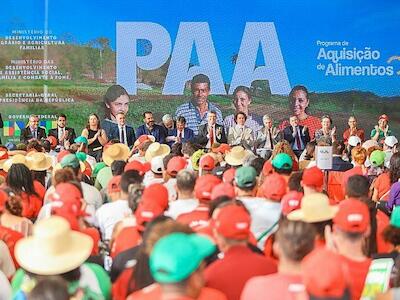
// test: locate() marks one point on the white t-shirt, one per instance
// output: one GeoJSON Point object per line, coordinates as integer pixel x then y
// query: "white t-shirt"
{"type": "Point", "coordinates": [181, 206]}
{"type": "Point", "coordinates": [264, 213]}
{"type": "Point", "coordinates": [171, 187]}
{"type": "Point", "coordinates": [110, 214]}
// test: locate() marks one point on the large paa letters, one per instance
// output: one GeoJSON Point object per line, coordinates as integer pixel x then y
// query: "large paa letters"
{"type": "Point", "coordinates": [198, 35]}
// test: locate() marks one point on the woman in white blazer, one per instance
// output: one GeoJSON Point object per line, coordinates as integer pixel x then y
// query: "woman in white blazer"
{"type": "Point", "coordinates": [241, 134]}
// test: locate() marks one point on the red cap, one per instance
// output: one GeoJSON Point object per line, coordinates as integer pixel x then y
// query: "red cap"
{"type": "Point", "coordinates": [114, 185]}
{"type": "Point", "coordinates": [385, 117]}
{"type": "Point", "coordinates": [267, 168]}
{"type": "Point", "coordinates": [67, 192]}
{"type": "Point", "coordinates": [313, 177]}
{"type": "Point", "coordinates": [223, 148]}
{"type": "Point", "coordinates": [146, 212]}
{"type": "Point", "coordinates": [232, 221]}
{"type": "Point", "coordinates": [324, 274]}
{"type": "Point", "coordinates": [353, 216]}
{"type": "Point", "coordinates": [61, 155]}
{"type": "Point", "coordinates": [274, 187]}
{"type": "Point", "coordinates": [53, 141]}
{"type": "Point", "coordinates": [204, 186]}
{"type": "Point", "coordinates": [3, 154]}
{"type": "Point", "coordinates": [136, 165]}
{"type": "Point", "coordinates": [229, 175]}
{"type": "Point", "coordinates": [223, 189]}
{"type": "Point", "coordinates": [70, 208]}
{"type": "Point", "coordinates": [290, 202]}
{"type": "Point", "coordinates": [156, 193]}
{"type": "Point", "coordinates": [176, 164]}
{"type": "Point", "coordinates": [207, 163]}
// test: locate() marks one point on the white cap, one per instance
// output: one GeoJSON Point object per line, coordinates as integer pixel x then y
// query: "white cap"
{"type": "Point", "coordinates": [157, 164]}
{"type": "Point", "coordinates": [391, 141]}
{"type": "Point", "coordinates": [354, 141]}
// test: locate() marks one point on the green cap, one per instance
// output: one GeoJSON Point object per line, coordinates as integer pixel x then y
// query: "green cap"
{"type": "Point", "coordinates": [81, 139]}
{"type": "Point", "coordinates": [70, 160]}
{"type": "Point", "coordinates": [377, 158]}
{"type": "Point", "coordinates": [176, 256]}
{"type": "Point", "coordinates": [97, 168]}
{"type": "Point", "coordinates": [282, 161]}
{"type": "Point", "coordinates": [245, 177]}
{"type": "Point", "coordinates": [395, 217]}
{"type": "Point", "coordinates": [196, 159]}
{"type": "Point", "coordinates": [81, 156]}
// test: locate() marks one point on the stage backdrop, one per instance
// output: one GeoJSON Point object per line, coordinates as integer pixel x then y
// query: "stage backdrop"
{"type": "Point", "coordinates": [61, 56]}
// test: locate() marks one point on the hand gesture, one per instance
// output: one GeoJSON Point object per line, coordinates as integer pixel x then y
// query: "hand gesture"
{"type": "Point", "coordinates": [333, 131]}
{"type": "Point", "coordinates": [376, 128]}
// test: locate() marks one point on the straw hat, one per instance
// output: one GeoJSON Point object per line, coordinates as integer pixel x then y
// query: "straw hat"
{"type": "Point", "coordinates": [39, 161]}
{"type": "Point", "coordinates": [116, 151]}
{"type": "Point", "coordinates": [314, 208]}
{"type": "Point", "coordinates": [236, 156]}
{"type": "Point", "coordinates": [16, 159]}
{"type": "Point", "coordinates": [53, 248]}
{"type": "Point", "coordinates": [3, 158]}
{"type": "Point", "coordinates": [156, 149]}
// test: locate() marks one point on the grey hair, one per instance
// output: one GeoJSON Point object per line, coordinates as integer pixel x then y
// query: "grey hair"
{"type": "Point", "coordinates": [166, 118]}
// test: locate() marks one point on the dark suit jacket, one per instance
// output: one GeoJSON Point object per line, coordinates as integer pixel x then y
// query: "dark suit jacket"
{"type": "Point", "coordinates": [70, 137]}
{"type": "Point", "coordinates": [288, 135]}
{"type": "Point", "coordinates": [158, 132]}
{"type": "Point", "coordinates": [26, 134]}
{"type": "Point", "coordinates": [130, 134]}
{"type": "Point", "coordinates": [202, 138]}
{"type": "Point", "coordinates": [187, 132]}
{"type": "Point", "coordinates": [1, 125]}
{"type": "Point", "coordinates": [338, 164]}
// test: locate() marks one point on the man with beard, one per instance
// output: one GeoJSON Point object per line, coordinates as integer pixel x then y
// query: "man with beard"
{"type": "Point", "coordinates": [150, 128]}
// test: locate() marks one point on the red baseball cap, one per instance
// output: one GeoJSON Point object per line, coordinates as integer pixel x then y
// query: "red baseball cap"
{"type": "Point", "coordinates": [67, 192]}
{"type": "Point", "coordinates": [146, 212]}
{"type": "Point", "coordinates": [233, 222]}
{"type": "Point", "coordinates": [223, 148]}
{"type": "Point", "coordinates": [114, 185]}
{"type": "Point", "coordinates": [207, 163]}
{"type": "Point", "coordinates": [385, 117]}
{"type": "Point", "coordinates": [204, 186]}
{"type": "Point", "coordinates": [156, 193]}
{"type": "Point", "coordinates": [61, 155]}
{"type": "Point", "coordinates": [176, 164]}
{"type": "Point", "coordinates": [291, 201]}
{"type": "Point", "coordinates": [274, 187]}
{"type": "Point", "coordinates": [324, 274]}
{"type": "Point", "coordinates": [223, 189]}
{"type": "Point", "coordinates": [3, 154]}
{"type": "Point", "coordinates": [136, 165]}
{"type": "Point", "coordinates": [267, 168]}
{"type": "Point", "coordinates": [353, 216]}
{"type": "Point", "coordinates": [229, 175]}
{"type": "Point", "coordinates": [313, 177]}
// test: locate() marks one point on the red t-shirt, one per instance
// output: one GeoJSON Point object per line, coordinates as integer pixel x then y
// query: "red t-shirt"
{"type": "Point", "coordinates": [95, 236]}
{"type": "Point", "coordinates": [276, 286]}
{"type": "Point", "coordinates": [10, 238]}
{"type": "Point", "coordinates": [346, 135]}
{"type": "Point", "coordinates": [197, 218]}
{"type": "Point", "coordinates": [127, 238]}
{"type": "Point", "coordinates": [358, 272]}
{"type": "Point", "coordinates": [383, 184]}
{"type": "Point", "coordinates": [154, 292]}
{"type": "Point", "coordinates": [382, 221]}
{"type": "Point", "coordinates": [230, 274]}
{"type": "Point", "coordinates": [31, 204]}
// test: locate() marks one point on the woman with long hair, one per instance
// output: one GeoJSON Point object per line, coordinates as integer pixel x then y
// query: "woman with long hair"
{"type": "Point", "coordinates": [96, 136]}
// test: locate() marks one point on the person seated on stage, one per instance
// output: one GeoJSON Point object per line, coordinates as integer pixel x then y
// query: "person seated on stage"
{"type": "Point", "coordinates": [96, 136]}
{"type": "Point", "coordinates": [122, 132]}
{"type": "Point", "coordinates": [32, 131]}
{"type": "Point", "coordinates": [297, 135]}
{"type": "Point", "coordinates": [240, 134]}
{"type": "Point", "coordinates": [116, 100]}
{"type": "Point", "coordinates": [180, 134]}
{"type": "Point", "coordinates": [381, 131]}
{"type": "Point", "coordinates": [211, 132]}
{"type": "Point", "coordinates": [326, 133]}
{"type": "Point", "coordinates": [151, 128]}
{"type": "Point", "coordinates": [241, 101]}
{"type": "Point", "coordinates": [65, 135]}
{"type": "Point", "coordinates": [267, 138]}
{"type": "Point", "coordinates": [168, 123]}
{"type": "Point", "coordinates": [353, 130]}
{"type": "Point", "coordinates": [196, 110]}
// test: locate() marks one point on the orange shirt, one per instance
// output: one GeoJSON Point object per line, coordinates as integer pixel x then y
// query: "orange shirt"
{"type": "Point", "coordinates": [383, 184]}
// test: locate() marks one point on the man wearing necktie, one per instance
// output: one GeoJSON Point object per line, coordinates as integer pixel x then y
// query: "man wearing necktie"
{"type": "Point", "coordinates": [32, 131]}
{"type": "Point", "coordinates": [297, 135]}
{"type": "Point", "coordinates": [181, 133]}
{"type": "Point", "coordinates": [123, 133]}
{"type": "Point", "coordinates": [65, 135]}
{"type": "Point", "coordinates": [211, 132]}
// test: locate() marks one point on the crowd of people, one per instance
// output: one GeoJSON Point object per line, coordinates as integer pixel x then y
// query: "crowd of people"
{"type": "Point", "coordinates": [200, 206]}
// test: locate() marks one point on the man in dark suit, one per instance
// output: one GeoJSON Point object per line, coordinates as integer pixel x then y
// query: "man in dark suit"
{"type": "Point", "coordinates": [32, 131]}
{"type": "Point", "coordinates": [65, 135]}
{"type": "Point", "coordinates": [122, 132]}
{"type": "Point", "coordinates": [181, 133]}
{"type": "Point", "coordinates": [151, 128]}
{"type": "Point", "coordinates": [211, 132]}
{"type": "Point", "coordinates": [338, 164]}
{"type": "Point", "coordinates": [298, 136]}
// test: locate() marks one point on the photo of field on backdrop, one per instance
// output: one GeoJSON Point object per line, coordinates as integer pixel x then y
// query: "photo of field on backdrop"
{"type": "Point", "coordinates": [64, 58]}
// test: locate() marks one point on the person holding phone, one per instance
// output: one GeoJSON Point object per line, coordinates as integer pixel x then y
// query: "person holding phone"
{"type": "Point", "coordinates": [381, 131]}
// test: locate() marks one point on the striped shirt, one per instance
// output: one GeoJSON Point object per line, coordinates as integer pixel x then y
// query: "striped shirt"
{"type": "Point", "coordinates": [192, 115]}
